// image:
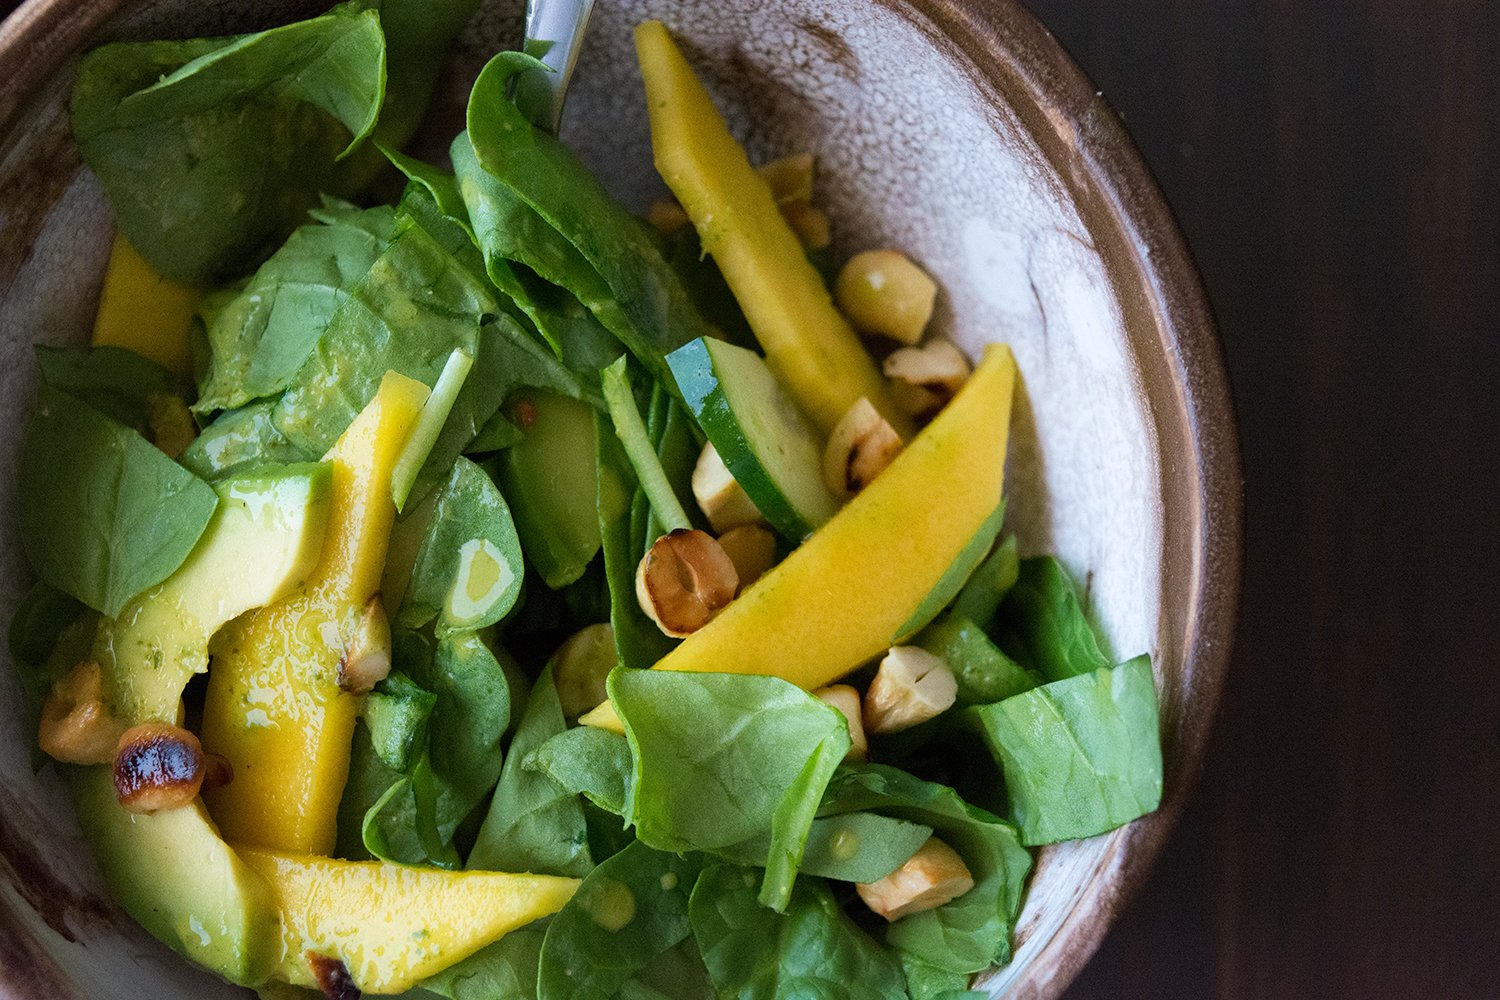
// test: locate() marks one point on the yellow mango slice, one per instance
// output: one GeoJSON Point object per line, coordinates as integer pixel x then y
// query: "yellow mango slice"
{"type": "Point", "coordinates": [392, 925]}
{"type": "Point", "coordinates": [142, 311]}
{"type": "Point", "coordinates": [274, 706]}
{"type": "Point", "coordinates": [840, 597]}
{"type": "Point", "coordinates": [808, 343]}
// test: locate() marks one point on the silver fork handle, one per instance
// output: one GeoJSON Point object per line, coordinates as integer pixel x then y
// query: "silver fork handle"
{"type": "Point", "coordinates": [554, 33]}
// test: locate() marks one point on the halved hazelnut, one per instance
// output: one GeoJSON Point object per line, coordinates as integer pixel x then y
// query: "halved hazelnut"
{"type": "Point", "coordinates": [720, 496]}
{"type": "Point", "coordinates": [932, 877]}
{"type": "Point", "coordinates": [684, 581]}
{"type": "Point", "coordinates": [911, 686]}
{"type": "Point", "coordinates": [158, 766]}
{"type": "Point", "coordinates": [332, 977]}
{"type": "Point", "coordinates": [76, 726]}
{"type": "Point", "coordinates": [924, 378]}
{"type": "Point", "coordinates": [752, 549]}
{"type": "Point", "coordinates": [882, 291]}
{"type": "Point", "coordinates": [366, 659]}
{"type": "Point", "coordinates": [667, 216]}
{"type": "Point", "coordinates": [846, 700]}
{"type": "Point", "coordinates": [862, 444]}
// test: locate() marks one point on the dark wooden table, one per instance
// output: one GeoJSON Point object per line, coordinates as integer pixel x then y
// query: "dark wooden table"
{"type": "Point", "coordinates": [1336, 168]}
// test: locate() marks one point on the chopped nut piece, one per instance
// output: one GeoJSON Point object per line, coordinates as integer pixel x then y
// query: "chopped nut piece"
{"type": "Point", "coordinates": [860, 447]}
{"type": "Point", "coordinates": [158, 766]}
{"type": "Point", "coordinates": [723, 500]}
{"type": "Point", "coordinates": [790, 177]}
{"type": "Point", "coordinates": [752, 549]}
{"type": "Point", "coordinates": [684, 581]}
{"type": "Point", "coordinates": [882, 291]}
{"type": "Point", "coordinates": [77, 727]}
{"type": "Point", "coordinates": [367, 655]}
{"type": "Point", "coordinates": [580, 667]}
{"type": "Point", "coordinates": [924, 378]}
{"type": "Point", "coordinates": [935, 875]}
{"type": "Point", "coordinates": [846, 700]}
{"type": "Point", "coordinates": [170, 423]}
{"type": "Point", "coordinates": [332, 977]}
{"type": "Point", "coordinates": [667, 216]}
{"type": "Point", "coordinates": [911, 686]}
{"type": "Point", "coordinates": [810, 224]}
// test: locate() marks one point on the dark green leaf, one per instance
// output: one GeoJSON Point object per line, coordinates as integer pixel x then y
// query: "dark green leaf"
{"type": "Point", "coordinates": [812, 952]}
{"type": "Point", "coordinates": [973, 931]}
{"type": "Point", "coordinates": [396, 713]}
{"type": "Point", "coordinates": [989, 584]}
{"type": "Point", "coordinates": [984, 673]}
{"type": "Point", "coordinates": [468, 570]}
{"type": "Point", "coordinates": [1044, 622]}
{"type": "Point", "coordinates": [857, 847]}
{"type": "Point", "coordinates": [118, 383]}
{"type": "Point", "coordinates": [1080, 755]}
{"type": "Point", "coordinates": [103, 514]}
{"type": "Point", "coordinates": [628, 911]}
{"type": "Point", "coordinates": [533, 824]}
{"type": "Point", "coordinates": [592, 762]}
{"type": "Point", "coordinates": [928, 982]}
{"type": "Point", "coordinates": [240, 439]}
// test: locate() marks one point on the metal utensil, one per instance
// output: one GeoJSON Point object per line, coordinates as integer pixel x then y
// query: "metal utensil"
{"type": "Point", "coordinates": [554, 34]}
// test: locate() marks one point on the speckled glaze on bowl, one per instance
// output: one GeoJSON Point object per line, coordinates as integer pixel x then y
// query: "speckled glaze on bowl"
{"type": "Point", "coordinates": [960, 132]}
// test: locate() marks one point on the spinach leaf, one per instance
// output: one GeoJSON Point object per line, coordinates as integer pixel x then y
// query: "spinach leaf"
{"type": "Point", "coordinates": [928, 982]}
{"type": "Point", "coordinates": [533, 824]}
{"type": "Point", "coordinates": [955, 576]}
{"type": "Point", "coordinates": [987, 587]}
{"type": "Point", "coordinates": [505, 970]}
{"type": "Point", "coordinates": [722, 758]}
{"type": "Point", "coordinates": [1043, 623]}
{"type": "Point", "coordinates": [259, 340]}
{"type": "Point", "coordinates": [103, 514]}
{"type": "Point", "coordinates": [857, 847]}
{"type": "Point", "coordinates": [468, 570]}
{"type": "Point", "coordinates": [591, 762]}
{"type": "Point", "coordinates": [396, 713]}
{"type": "Point", "coordinates": [812, 951]}
{"type": "Point", "coordinates": [417, 36]}
{"type": "Point", "coordinates": [471, 716]}
{"type": "Point", "coordinates": [118, 383]}
{"type": "Point", "coordinates": [211, 149]}
{"type": "Point", "coordinates": [1080, 755]}
{"type": "Point", "coordinates": [239, 439]}
{"type": "Point", "coordinates": [646, 306]}
{"type": "Point", "coordinates": [628, 911]}
{"type": "Point", "coordinates": [983, 672]}
{"type": "Point", "coordinates": [973, 931]}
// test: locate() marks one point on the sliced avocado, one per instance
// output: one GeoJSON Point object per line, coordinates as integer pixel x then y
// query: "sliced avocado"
{"type": "Point", "coordinates": [769, 447]}
{"type": "Point", "coordinates": [551, 482]}
{"type": "Point", "coordinates": [260, 545]}
{"type": "Point", "coordinates": [174, 874]}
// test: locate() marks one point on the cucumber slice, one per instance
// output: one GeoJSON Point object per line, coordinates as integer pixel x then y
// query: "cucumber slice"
{"type": "Point", "coordinates": [768, 445]}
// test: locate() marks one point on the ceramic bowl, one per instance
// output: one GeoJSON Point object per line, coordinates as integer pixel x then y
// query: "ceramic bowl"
{"type": "Point", "coordinates": [960, 132]}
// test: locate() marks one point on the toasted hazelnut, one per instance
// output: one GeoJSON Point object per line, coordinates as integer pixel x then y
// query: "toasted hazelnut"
{"type": "Point", "coordinates": [846, 700]}
{"type": "Point", "coordinates": [911, 686]}
{"type": "Point", "coordinates": [218, 770]}
{"type": "Point", "coordinates": [76, 726]}
{"type": "Point", "coordinates": [810, 224]}
{"type": "Point", "coordinates": [366, 659]}
{"type": "Point", "coordinates": [924, 378]}
{"type": "Point", "coordinates": [862, 444]}
{"type": "Point", "coordinates": [684, 581]}
{"type": "Point", "coordinates": [935, 875]}
{"type": "Point", "coordinates": [789, 177]}
{"type": "Point", "coordinates": [332, 977]}
{"type": "Point", "coordinates": [722, 499]}
{"type": "Point", "coordinates": [170, 423]}
{"type": "Point", "coordinates": [752, 549]}
{"type": "Point", "coordinates": [882, 291]}
{"type": "Point", "coordinates": [667, 216]}
{"type": "Point", "coordinates": [580, 667]}
{"type": "Point", "coordinates": [158, 766]}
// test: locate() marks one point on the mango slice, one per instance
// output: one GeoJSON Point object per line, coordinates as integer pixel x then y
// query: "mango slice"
{"type": "Point", "coordinates": [392, 925]}
{"type": "Point", "coordinates": [837, 600]}
{"type": "Point", "coordinates": [808, 343]}
{"type": "Point", "coordinates": [274, 706]}
{"type": "Point", "coordinates": [142, 311]}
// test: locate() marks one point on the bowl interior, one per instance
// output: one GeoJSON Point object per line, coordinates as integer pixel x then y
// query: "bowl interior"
{"type": "Point", "coordinates": [952, 139]}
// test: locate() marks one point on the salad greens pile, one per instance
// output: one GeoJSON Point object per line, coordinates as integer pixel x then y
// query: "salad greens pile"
{"type": "Point", "coordinates": [720, 837]}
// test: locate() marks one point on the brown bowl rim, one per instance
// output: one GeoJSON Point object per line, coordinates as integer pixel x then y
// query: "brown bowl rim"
{"type": "Point", "coordinates": [1001, 39]}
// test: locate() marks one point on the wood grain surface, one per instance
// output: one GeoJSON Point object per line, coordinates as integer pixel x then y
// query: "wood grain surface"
{"type": "Point", "coordinates": [1336, 169]}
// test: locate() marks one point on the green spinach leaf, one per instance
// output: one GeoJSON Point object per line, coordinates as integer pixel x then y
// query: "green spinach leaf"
{"type": "Point", "coordinates": [928, 982]}
{"type": "Point", "coordinates": [591, 762]}
{"type": "Point", "coordinates": [628, 911]}
{"type": "Point", "coordinates": [118, 383]}
{"type": "Point", "coordinates": [240, 439]}
{"type": "Point", "coordinates": [812, 951]}
{"type": "Point", "coordinates": [1080, 755]}
{"type": "Point", "coordinates": [468, 570]}
{"type": "Point", "coordinates": [980, 598]}
{"type": "Point", "coordinates": [857, 847]}
{"type": "Point", "coordinates": [103, 514]}
{"type": "Point", "coordinates": [1043, 623]}
{"type": "Point", "coordinates": [983, 672]}
{"type": "Point", "coordinates": [505, 970]}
